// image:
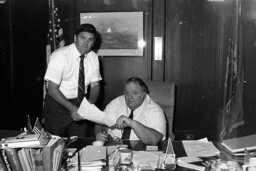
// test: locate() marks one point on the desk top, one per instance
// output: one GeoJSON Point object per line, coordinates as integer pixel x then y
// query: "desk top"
{"type": "Point", "coordinates": [139, 146]}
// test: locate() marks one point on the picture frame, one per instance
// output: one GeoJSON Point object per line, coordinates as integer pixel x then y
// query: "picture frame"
{"type": "Point", "coordinates": [121, 32]}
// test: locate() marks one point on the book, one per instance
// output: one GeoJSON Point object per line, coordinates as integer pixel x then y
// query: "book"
{"type": "Point", "coordinates": [25, 140]}
{"type": "Point", "coordinates": [57, 155]}
{"type": "Point", "coordinates": [239, 144]}
{"type": "Point", "coordinates": [7, 164]}
{"type": "Point", "coordinates": [48, 152]}
{"type": "Point", "coordinates": [30, 153]}
{"type": "Point", "coordinates": [24, 161]}
{"type": "Point", "coordinates": [26, 153]}
{"type": "Point", "coordinates": [37, 159]}
{"type": "Point", "coordinates": [2, 163]}
{"type": "Point", "coordinates": [13, 159]}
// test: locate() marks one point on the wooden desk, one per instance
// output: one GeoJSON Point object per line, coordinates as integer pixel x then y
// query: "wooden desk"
{"type": "Point", "coordinates": [138, 146]}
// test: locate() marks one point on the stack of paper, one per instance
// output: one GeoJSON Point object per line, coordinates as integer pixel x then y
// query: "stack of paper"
{"type": "Point", "coordinates": [25, 140]}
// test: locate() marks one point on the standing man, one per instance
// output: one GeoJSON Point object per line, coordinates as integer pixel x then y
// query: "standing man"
{"type": "Point", "coordinates": [71, 71]}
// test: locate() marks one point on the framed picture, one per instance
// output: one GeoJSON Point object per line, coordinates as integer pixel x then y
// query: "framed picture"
{"type": "Point", "coordinates": [121, 32]}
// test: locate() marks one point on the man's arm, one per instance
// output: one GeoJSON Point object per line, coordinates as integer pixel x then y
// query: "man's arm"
{"type": "Point", "coordinates": [145, 134]}
{"type": "Point", "coordinates": [56, 94]}
{"type": "Point", "coordinates": [94, 92]}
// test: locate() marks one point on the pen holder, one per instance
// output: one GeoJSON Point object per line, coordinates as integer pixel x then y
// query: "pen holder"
{"type": "Point", "coordinates": [125, 161]}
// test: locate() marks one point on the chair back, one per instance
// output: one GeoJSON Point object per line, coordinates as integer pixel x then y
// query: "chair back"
{"type": "Point", "coordinates": [163, 93]}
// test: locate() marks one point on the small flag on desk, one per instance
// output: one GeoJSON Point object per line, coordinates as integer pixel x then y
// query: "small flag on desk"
{"type": "Point", "coordinates": [38, 129]}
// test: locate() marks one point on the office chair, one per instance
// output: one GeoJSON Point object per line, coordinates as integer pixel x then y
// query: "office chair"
{"type": "Point", "coordinates": [163, 93]}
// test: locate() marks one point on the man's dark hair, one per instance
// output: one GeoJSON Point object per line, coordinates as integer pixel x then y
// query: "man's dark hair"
{"type": "Point", "coordinates": [86, 28]}
{"type": "Point", "coordinates": [90, 29]}
{"type": "Point", "coordinates": [140, 82]}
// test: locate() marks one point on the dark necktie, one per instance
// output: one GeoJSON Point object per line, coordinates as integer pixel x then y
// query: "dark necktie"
{"type": "Point", "coordinates": [81, 86]}
{"type": "Point", "coordinates": [127, 130]}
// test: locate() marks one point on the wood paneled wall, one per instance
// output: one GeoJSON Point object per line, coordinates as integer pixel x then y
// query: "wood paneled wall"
{"type": "Point", "coordinates": [195, 34]}
{"type": "Point", "coordinates": [190, 33]}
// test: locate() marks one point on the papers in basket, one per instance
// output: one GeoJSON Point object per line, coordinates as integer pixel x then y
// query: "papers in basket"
{"type": "Point", "coordinates": [90, 112]}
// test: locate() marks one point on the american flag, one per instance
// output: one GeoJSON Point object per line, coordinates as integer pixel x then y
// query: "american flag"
{"type": "Point", "coordinates": [233, 115]}
{"type": "Point", "coordinates": [55, 37]}
{"type": "Point", "coordinates": [38, 129]}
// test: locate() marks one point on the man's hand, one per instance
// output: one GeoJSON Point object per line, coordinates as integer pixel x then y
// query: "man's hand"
{"type": "Point", "coordinates": [76, 116]}
{"type": "Point", "coordinates": [123, 122]}
{"type": "Point", "coordinates": [101, 137]}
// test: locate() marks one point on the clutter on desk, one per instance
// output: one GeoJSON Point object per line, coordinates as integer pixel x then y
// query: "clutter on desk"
{"type": "Point", "coordinates": [96, 159]}
{"type": "Point", "coordinates": [249, 162]}
{"type": "Point", "coordinates": [219, 165]}
{"type": "Point", "coordinates": [154, 158]}
{"type": "Point", "coordinates": [204, 152]}
{"type": "Point", "coordinates": [32, 150]}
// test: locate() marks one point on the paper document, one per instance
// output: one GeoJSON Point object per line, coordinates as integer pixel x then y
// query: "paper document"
{"type": "Point", "coordinates": [90, 112]}
{"type": "Point", "coordinates": [200, 148]}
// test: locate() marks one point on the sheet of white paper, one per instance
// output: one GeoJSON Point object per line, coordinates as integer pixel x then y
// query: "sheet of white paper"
{"type": "Point", "coordinates": [108, 121]}
{"type": "Point", "coordinates": [90, 112]}
{"type": "Point", "coordinates": [199, 148]}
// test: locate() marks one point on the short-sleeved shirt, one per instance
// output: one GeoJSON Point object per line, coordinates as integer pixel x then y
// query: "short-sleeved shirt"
{"type": "Point", "coordinates": [149, 114]}
{"type": "Point", "coordinates": [63, 69]}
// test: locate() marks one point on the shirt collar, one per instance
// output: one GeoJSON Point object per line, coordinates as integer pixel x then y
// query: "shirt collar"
{"type": "Point", "coordinates": [76, 52]}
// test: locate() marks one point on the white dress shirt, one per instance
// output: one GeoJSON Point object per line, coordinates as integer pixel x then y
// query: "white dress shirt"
{"type": "Point", "coordinates": [149, 114]}
{"type": "Point", "coordinates": [63, 69]}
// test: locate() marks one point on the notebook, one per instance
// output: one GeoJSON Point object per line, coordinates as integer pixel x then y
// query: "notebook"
{"type": "Point", "coordinates": [239, 144]}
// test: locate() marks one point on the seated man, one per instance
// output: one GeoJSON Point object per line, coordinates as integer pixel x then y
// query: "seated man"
{"type": "Point", "coordinates": [137, 116]}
